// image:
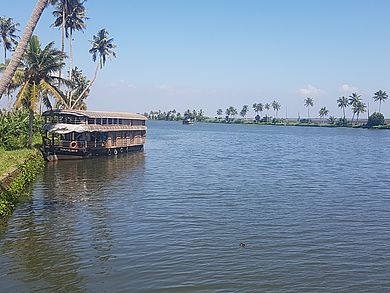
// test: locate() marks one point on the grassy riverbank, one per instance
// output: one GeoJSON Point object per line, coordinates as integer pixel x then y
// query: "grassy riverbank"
{"type": "Point", "coordinates": [19, 169]}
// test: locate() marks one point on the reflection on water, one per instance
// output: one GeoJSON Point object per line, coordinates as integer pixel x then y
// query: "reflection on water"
{"type": "Point", "coordinates": [67, 205]}
{"type": "Point", "coordinates": [311, 204]}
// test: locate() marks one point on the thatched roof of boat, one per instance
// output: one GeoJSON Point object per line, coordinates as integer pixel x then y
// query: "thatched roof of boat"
{"type": "Point", "coordinates": [96, 114]}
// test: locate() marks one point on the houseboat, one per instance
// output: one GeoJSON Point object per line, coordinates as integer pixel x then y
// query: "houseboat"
{"type": "Point", "coordinates": [77, 134]}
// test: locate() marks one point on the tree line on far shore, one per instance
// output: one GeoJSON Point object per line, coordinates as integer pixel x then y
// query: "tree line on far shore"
{"type": "Point", "coordinates": [262, 112]}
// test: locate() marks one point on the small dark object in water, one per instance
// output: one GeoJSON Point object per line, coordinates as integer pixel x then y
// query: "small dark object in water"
{"type": "Point", "coordinates": [242, 244]}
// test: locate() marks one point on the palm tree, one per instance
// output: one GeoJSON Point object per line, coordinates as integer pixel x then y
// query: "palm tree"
{"type": "Point", "coordinates": [102, 48]}
{"type": "Point", "coordinates": [323, 113]}
{"type": "Point", "coordinates": [276, 106]}
{"type": "Point", "coordinates": [342, 102]}
{"type": "Point", "coordinates": [359, 107]}
{"type": "Point", "coordinates": [380, 96]}
{"type": "Point", "coordinates": [74, 22]}
{"type": "Point", "coordinates": [309, 102]}
{"type": "Point", "coordinates": [21, 47]}
{"type": "Point", "coordinates": [70, 16]}
{"type": "Point", "coordinates": [227, 113]}
{"type": "Point", "coordinates": [76, 86]}
{"type": "Point", "coordinates": [8, 28]}
{"type": "Point", "coordinates": [244, 111]}
{"type": "Point", "coordinates": [219, 113]}
{"type": "Point", "coordinates": [231, 111]}
{"type": "Point", "coordinates": [38, 82]}
{"type": "Point", "coordinates": [267, 106]}
{"type": "Point", "coordinates": [353, 100]}
{"type": "Point", "coordinates": [60, 12]}
{"type": "Point", "coordinates": [259, 108]}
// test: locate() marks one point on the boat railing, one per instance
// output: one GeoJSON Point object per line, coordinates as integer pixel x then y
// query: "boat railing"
{"type": "Point", "coordinates": [79, 144]}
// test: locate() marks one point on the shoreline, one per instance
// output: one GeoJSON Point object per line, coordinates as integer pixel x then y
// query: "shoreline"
{"type": "Point", "coordinates": [14, 181]}
{"type": "Point", "coordinates": [250, 122]}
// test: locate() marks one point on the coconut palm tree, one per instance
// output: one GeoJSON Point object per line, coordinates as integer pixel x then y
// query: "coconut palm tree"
{"type": "Point", "coordinates": [219, 113]}
{"type": "Point", "coordinates": [21, 47]}
{"type": "Point", "coordinates": [102, 48]}
{"type": "Point", "coordinates": [244, 111]}
{"type": "Point", "coordinates": [267, 106]}
{"type": "Point", "coordinates": [231, 111]}
{"type": "Point", "coordinates": [353, 101]}
{"type": "Point", "coordinates": [259, 108]}
{"type": "Point", "coordinates": [309, 102]}
{"type": "Point", "coordinates": [342, 102]}
{"type": "Point", "coordinates": [380, 96]}
{"type": "Point", "coordinates": [38, 82]}
{"type": "Point", "coordinates": [359, 107]}
{"type": "Point", "coordinates": [323, 113]}
{"type": "Point", "coordinates": [75, 87]}
{"type": "Point", "coordinates": [254, 107]}
{"type": "Point", "coordinates": [70, 16]}
{"type": "Point", "coordinates": [276, 106]}
{"type": "Point", "coordinates": [8, 28]}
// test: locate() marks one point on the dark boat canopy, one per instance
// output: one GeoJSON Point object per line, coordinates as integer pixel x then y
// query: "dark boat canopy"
{"type": "Point", "coordinates": [96, 114]}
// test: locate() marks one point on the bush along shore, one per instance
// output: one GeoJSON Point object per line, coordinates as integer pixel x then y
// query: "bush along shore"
{"type": "Point", "coordinates": [19, 163]}
{"type": "Point", "coordinates": [13, 185]}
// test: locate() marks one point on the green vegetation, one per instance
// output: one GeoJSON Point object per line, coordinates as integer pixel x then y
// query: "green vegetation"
{"type": "Point", "coordinates": [325, 118]}
{"type": "Point", "coordinates": [14, 155]}
{"type": "Point", "coordinates": [375, 119]}
{"type": "Point", "coordinates": [27, 170]}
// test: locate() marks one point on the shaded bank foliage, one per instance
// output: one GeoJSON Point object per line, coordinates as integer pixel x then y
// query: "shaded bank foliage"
{"type": "Point", "coordinates": [375, 119]}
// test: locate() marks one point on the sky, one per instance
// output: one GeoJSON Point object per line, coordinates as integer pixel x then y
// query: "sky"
{"type": "Point", "coordinates": [211, 54]}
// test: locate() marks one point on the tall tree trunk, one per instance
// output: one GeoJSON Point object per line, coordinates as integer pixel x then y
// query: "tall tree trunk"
{"type": "Point", "coordinates": [88, 87]}
{"type": "Point", "coordinates": [18, 54]}
{"type": "Point", "coordinates": [70, 55]}
{"type": "Point", "coordinates": [30, 127]}
{"type": "Point", "coordinates": [62, 39]}
{"type": "Point", "coordinates": [380, 101]}
{"type": "Point", "coordinates": [344, 114]}
{"type": "Point", "coordinates": [5, 53]}
{"type": "Point", "coordinates": [63, 31]}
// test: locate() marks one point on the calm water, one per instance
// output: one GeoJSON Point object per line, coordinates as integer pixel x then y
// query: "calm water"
{"type": "Point", "coordinates": [312, 206]}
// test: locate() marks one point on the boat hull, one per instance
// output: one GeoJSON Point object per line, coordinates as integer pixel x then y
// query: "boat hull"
{"type": "Point", "coordinates": [64, 153]}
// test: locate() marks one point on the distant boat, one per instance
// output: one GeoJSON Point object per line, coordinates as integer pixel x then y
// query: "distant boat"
{"type": "Point", "coordinates": [187, 121]}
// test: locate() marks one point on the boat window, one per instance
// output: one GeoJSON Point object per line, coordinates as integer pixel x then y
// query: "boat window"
{"type": "Point", "coordinates": [120, 121]}
{"type": "Point", "coordinates": [91, 121]}
{"type": "Point", "coordinates": [115, 121]}
{"type": "Point", "coordinates": [104, 121]}
{"type": "Point", "coordinates": [98, 120]}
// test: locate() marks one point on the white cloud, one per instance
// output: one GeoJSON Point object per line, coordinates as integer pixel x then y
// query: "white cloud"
{"type": "Point", "coordinates": [164, 87]}
{"type": "Point", "coordinates": [346, 88]}
{"type": "Point", "coordinates": [310, 91]}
